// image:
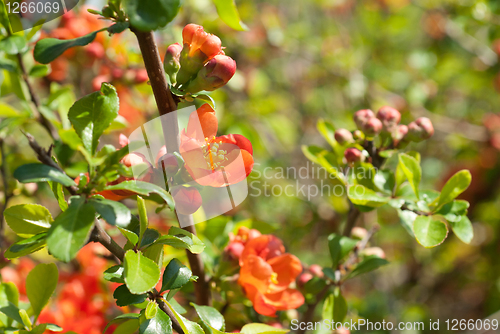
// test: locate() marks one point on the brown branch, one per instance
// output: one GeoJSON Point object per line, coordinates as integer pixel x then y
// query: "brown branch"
{"type": "Point", "coordinates": [45, 157]}
{"type": "Point", "coordinates": [36, 101]}
{"type": "Point", "coordinates": [7, 194]}
{"type": "Point", "coordinates": [166, 104]}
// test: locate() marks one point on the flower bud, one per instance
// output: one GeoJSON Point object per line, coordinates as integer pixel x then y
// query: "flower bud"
{"type": "Point", "coordinates": [304, 278]}
{"type": "Point", "coordinates": [316, 270]}
{"type": "Point", "coordinates": [399, 133]}
{"type": "Point", "coordinates": [216, 73]}
{"type": "Point", "coordinates": [372, 127]}
{"type": "Point", "coordinates": [358, 135]}
{"type": "Point", "coordinates": [361, 117]}
{"type": "Point", "coordinates": [359, 232]}
{"type": "Point", "coordinates": [389, 117]}
{"type": "Point", "coordinates": [234, 249]}
{"type": "Point", "coordinates": [199, 47]}
{"type": "Point", "coordinates": [171, 62]}
{"type": "Point", "coordinates": [168, 162]}
{"type": "Point", "coordinates": [374, 251]}
{"type": "Point", "coordinates": [353, 155]}
{"type": "Point", "coordinates": [343, 136]}
{"type": "Point", "coordinates": [187, 200]}
{"type": "Point", "coordinates": [141, 76]}
{"type": "Point", "coordinates": [95, 50]}
{"type": "Point", "coordinates": [420, 129]}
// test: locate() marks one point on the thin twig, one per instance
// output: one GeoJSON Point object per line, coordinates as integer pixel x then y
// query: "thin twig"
{"type": "Point", "coordinates": [36, 101]}
{"type": "Point", "coordinates": [166, 104]}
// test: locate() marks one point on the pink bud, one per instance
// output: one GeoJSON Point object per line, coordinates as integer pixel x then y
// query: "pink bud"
{"type": "Point", "coordinates": [216, 73]}
{"type": "Point", "coordinates": [141, 76]}
{"type": "Point", "coordinates": [234, 249]}
{"type": "Point", "coordinates": [304, 278]}
{"type": "Point", "coordinates": [399, 133]}
{"type": "Point", "coordinates": [171, 62]}
{"type": "Point", "coordinates": [361, 117]}
{"type": "Point", "coordinates": [389, 117]}
{"type": "Point", "coordinates": [372, 127]}
{"type": "Point", "coordinates": [353, 155]}
{"type": "Point", "coordinates": [95, 50]}
{"type": "Point", "coordinates": [359, 232]}
{"type": "Point", "coordinates": [420, 129]}
{"type": "Point", "coordinates": [343, 136]}
{"type": "Point", "coordinates": [169, 164]}
{"type": "Point", "coordinates": [374, 251]}
{"type": "Point", "coordinates": [316, 270]}
{"type": "Point", "coordinates": [187, 200]}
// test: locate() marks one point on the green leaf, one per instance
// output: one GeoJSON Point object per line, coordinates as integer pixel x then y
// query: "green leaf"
{"type": "Point", "coordinates": [141, 274]}
{"type": "Point", "coordinates": [429, 231]}
{"type": "Point", "coordinates": [335, 306]}
{"type": "Point", "coordinates": [54, 328]}
{"type": "Point", "coordinates": [385, 180]}
{"type": "Point", "coordinates": [4, 17]}
{"type": "Point", "coordinates": [149, 237]}
{"type": "Point", "coordinates": [406, 219]}
{"type": "Point", "coordinates": [229, 14]}
{"type": "Point", "coordinates": [360, 195]}
{"type": "Point", "coordinates": [114, 274]}
{"type": "Point", "coordinates": [25, 318]}
{"type": "Point", "coordinates": [151, 14]}
{"type": "Point", "coordinates": [210, 316]}
{"type": "Point", "coordinates": [40, 285]}
{"type": "Point", "coordinates": [179, 238]}
{"type": "Point", "coordinates": [40, 173]}
{"type": "Point", "coordinates": [9, 293]}
{"type": "Point", "coordinates": [143, 188]}
{"type": "Point", "coordinates": [11, 311]}
{"type": "Point", "coordinates": [131, 236]}
{"type": "Point", "coordinates": [8, 65]}
{"type": "Point", "coordinates": [122, 318]}
{"type": "Point", "coordinates": [124, 297]}
{"type": "Point", "coordinates": [175, 275]}
{"type": "Point", "coordinates": [151, 309]}
{"type": "Point", "coordinates": [143, 216]}
{"type": "Point", "coordinates": [48, 49]}
{"type": "Point", "coordinates": [186, 325]}
{"type": "Point", "coordinates": [118, 27]}
{"type": "Point", "coordinates": [463, 229]}
{"type": "Point", "coordinates": [155, 253]}
{"type": "Point", "coordinates": [456, 185]}
{"type": "Point", "coordinates": [57, 190]}
{"type": "Point", "coordinates": [339, 247]}
{"type": "Point", "coordinates": [412, 170]}
{"type": "Point", "coordinates": [368, 264]}
{"type": "Point", "coordinates": [114, 213]}
{"type": "Point", "coordinates": [28, 219]}
{"type": "Point", "coordinates": [13, 45]}
{"type": "Point", "coordinates": [39, 71]}
{"type": "Point", "coordinates": [327, 130]}
{"type": "Point", "coordinates": [159, 324]}
{"type": "Point", "coordinates": [454, 211]}
{"type": "Point", "coordinates": [26, 246]}
{"type": "Point", "coordinates": [262, 329]}
{"type": "Point", "coordinates": [92, 114]}
{"type": "Point", "coordinates": [71, 229]}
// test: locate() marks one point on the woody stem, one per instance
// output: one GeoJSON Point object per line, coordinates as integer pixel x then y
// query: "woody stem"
{"type": "Point", "coordinates": [166, 105]}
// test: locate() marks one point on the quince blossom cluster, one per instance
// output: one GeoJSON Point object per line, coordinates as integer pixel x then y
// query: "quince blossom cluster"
{"type": "Point", "coordinates": [266, 271]}
{"type": "Point", "coordinates": [200, 63]}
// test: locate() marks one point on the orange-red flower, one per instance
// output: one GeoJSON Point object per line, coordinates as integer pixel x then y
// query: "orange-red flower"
{"type": "Point", "coordinates": [266, 274]}
{"type": "Point", "coordinates": [210, 160]}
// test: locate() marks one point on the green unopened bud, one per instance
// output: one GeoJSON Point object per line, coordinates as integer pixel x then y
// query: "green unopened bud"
{"type": "Point", "coordinates": [171, 62]}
